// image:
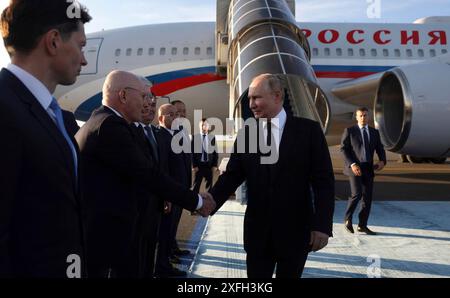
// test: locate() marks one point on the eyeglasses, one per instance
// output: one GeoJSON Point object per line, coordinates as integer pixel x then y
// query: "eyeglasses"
{"type": "Point", "coordinates": [145, 95]}
{"type": "Point", "coordinates": [169, 114]}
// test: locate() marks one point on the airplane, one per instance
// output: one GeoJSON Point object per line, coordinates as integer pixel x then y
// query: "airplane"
{"type": "Point", "coordinates": [400, 71]}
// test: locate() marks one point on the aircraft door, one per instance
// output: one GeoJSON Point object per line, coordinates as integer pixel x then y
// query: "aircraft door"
{"type": "Point", "coordinates": [91, 53]}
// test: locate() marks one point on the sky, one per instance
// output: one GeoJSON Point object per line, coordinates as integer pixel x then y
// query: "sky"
{"type": "Point", "coordinates": [110, 14]}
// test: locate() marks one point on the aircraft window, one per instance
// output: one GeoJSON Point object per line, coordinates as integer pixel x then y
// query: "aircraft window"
{"type": "Point", "coordinates": [140, 51]}
{"type": "Point", "coordinates": [432, 52]}
{"type": "Point", "coordinates": [162, 51]}
{"type": "Point", "coordinates": [373, 52]}
{"type": "Point", "coordinates": [409, 53]}
{"type": "Point", "coordinates": [339, 51]}
{"type": "Point", "coordinates": [420, 52]}
{"type": "Point", "coordinates": [174, 51]}
{"type": "Point", "coordinates": [186, 51]}
{"type": "Point", "coordinates": [350, 52]}
{"type": "Point", "coordinates": [397, 53]}
{"type": "Point", "coordinates": [315, 52]}
{"type": "Point", "coordinates": [151, 51]}
{"type": "Point", "coordinates": [385, 52]}
{"type": "Point", "coordinates": [117, 52]}
{"type": "Point", "coordinates": [197, 51]}
{"type": "Point", "coordinates": [362, 52]}
{"type": "Point", "coordinates": [209, 51]}
{"type": "Point", "coordinates": [327, 51]}
{"type": "Point", "coordinates": [444, 51]}
{"type": "Point", "coordinates": [129, 52]}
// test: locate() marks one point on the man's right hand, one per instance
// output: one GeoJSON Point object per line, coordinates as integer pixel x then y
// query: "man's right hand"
{"type": "Point", "coordinates": [208, 204]}
{"type": "Point", "coordinates": [356, 170]}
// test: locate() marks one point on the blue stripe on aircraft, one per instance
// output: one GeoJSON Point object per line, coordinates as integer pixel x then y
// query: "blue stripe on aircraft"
{"type": "Point", "coordinates": [84, 111]}
{"type": "Point", "coordinates": [179, 74]}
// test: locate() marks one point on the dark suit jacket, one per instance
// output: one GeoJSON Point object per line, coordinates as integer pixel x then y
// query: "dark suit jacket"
{"type": "Point", "coordinates": [281, 211]}
{"type": "Point", "coordinates": [116, 168]}
{"type": "Point", "coordinates": [179, 164]}
{"type": "Point", "coordinates": [40, 219]}
{"type": "Point", "coordinates": [150, 208]}
{"type": "Point", "coordinates": [70, 122]}
{"type": "Point", "coordinates": [197, 142]}
{"type": "Point", "coordinates": [164, 151]}
{"type": "Point", "coordinates": [352, 148]}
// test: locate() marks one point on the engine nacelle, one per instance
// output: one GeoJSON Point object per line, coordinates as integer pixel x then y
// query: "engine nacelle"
{"type": "Point", "coordinates": [412, 108]}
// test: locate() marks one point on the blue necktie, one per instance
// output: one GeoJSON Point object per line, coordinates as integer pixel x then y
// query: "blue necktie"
{"type": "Point", "coordinates": [152, 141]}
{"type": "Point", "coordinates": [366, 145]}
{"type": "Point", "coordinates": [60, 124]}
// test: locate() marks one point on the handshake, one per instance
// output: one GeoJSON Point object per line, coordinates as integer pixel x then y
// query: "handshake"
{"type": "Point", "coordinates": [208, 205]}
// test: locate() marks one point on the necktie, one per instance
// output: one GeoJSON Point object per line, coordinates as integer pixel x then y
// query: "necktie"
{"type": "Point", "coordinates": [152, 140]}
{"type": "Point", "coordinates": [367, 145]}
{"type": "Point", "coordinates": [60, 124]}
{"type": "Point", "coordinates": [270, 139]}
{"type": "Point", "coordinates": [269, 134]}
{"type": "Point", "coordinates": [204, 154]}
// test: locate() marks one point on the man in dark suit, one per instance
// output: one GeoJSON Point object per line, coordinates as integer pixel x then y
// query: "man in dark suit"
{"type": "Point", "coordinates": [176, 167]}
{"type": "Point", "coordinates": [290, 194]}
{"type": "Point", "coordinates": [204, 156]}
{"type": "Point", "coordinates": [72, 125]}
{"type": "Point", "coordinates": [151, 206]}
{"type": "Point", "coordinates": [184, 172]}
{"type": "Point", "coordinates": [115, 170]}
{"type": "Point", "coordinates": [41, 231]}
{"type": "Point", "coordinates": [358, 145]}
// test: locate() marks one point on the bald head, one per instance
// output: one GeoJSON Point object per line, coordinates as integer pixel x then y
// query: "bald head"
{"type": "Point", "coordinates": [166, 115]}
{"type": "Point", "coordinates": [125, 93]}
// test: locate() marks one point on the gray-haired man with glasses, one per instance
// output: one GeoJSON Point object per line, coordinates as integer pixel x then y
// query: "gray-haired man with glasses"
{"type": "Point", "coordinates": [118, 177]}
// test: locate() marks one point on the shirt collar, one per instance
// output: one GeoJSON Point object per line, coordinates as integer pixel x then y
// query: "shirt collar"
{"type": "Point", "coordinates": [361, 127]}
{"type": "Point", "coordinates": [115, 112]}
{"type": "Point", "coordinates": [169, 130]}
{"type": "Point", "coordinates": [36, 87]}
{"type": "Point", "coordinates": [279, 120]}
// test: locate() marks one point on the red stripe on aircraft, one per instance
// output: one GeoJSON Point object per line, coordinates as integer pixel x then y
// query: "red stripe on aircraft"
{"type": "Point", "coordinates": [342, 74]}
{"type": "Point", "coordinates": [182, 83]}
{"type": "Point", "coordinates": [178, 84]}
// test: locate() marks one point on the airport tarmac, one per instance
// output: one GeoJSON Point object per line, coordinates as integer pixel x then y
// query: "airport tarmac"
{"type": "Point", "coordinates": [410, 213]}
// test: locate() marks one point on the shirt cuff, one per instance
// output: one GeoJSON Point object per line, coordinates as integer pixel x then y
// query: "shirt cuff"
{"type": "Point", "coordinates": [200, 202]}
{"type": "Point", "coordinates": [352, 164]}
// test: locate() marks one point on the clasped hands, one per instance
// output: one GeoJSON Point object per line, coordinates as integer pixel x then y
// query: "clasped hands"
{"type": "Point", "coordinates": [208, 204]}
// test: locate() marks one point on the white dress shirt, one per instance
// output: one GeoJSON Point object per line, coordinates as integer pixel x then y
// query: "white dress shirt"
{"type": "Point", "coordinates": [278, 123]}
{"type": "Point", "coordinates": [36, 87]}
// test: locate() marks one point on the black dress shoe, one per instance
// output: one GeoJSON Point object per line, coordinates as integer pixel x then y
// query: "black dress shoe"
{"type": "Point", "coordinates": [349, 227]}
{"type": "Point", "coordinates": [366, 230]}
{"type": "Point", "coordinates": [181, 252]}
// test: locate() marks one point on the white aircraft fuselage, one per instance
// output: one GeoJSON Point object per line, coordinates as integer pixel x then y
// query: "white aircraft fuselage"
{"type": "Point", "coordinates": [179, 59]}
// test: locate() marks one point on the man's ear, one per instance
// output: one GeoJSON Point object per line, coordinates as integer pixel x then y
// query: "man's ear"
{"type": "Point", "coordinates": [277, 96]}
{"type": "Point", "coordinates": [52, 41]}
{"type": "Point", "coordinates": [122, 97]}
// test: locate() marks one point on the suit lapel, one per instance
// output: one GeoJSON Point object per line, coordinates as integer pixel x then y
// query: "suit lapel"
{"type": "Point", "coordinates": [357, 132]}
{"type": "Point", "coordinates": [45, 121]}
{"type": "Point", "coordinates": [286, 143]}
{"type": "Point", "coordinates": [371, 137]}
